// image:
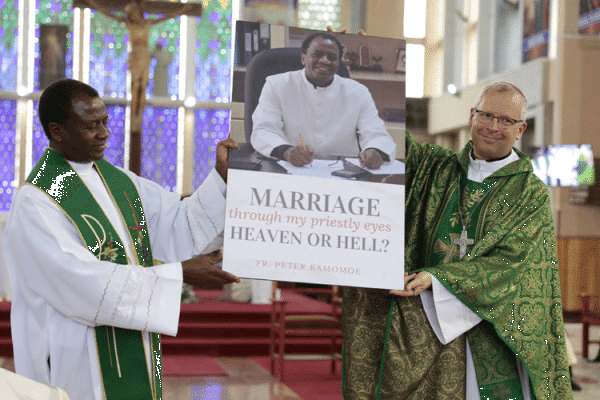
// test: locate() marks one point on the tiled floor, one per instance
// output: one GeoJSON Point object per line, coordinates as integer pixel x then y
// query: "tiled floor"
{"type": "Point", "coordinates": [248, 381]}
{"type": "Point", "coordinates": [587, 374]}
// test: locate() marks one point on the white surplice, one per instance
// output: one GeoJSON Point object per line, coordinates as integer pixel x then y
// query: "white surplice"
{"type": "Point", "coordinates": [447, 315]}
{"type": "Point", "coordinates": [61, 291]}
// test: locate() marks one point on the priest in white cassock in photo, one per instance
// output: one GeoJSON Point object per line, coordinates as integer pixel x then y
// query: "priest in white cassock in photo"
{"type": "Point", "coordinates": [315, 111]}
{"type": "Point", "coordinates": [82, 244]}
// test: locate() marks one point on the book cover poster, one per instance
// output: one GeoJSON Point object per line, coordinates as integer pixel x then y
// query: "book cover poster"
{"type": "Point", "coordinates": [333, 220]}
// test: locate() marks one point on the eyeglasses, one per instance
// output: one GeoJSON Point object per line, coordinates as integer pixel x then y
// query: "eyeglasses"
{"type": "Point", "coordinates": [504, 122]}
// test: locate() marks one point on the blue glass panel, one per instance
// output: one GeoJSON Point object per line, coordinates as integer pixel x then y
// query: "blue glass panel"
{"type": "Point", "coordinates": [8, 44]}
{"type": "Point", "coordinates": [213, 58]}
{"type": "Point", "coordinates": [108, 56]}
{"type": "Point", "coordinates": [8, 133]}
{"type": "Point", "coordinates": [159, 146]}
{"type": "Point", "coordinates": [39, 140]}
{"type": "Point", "coordinates": [211, 126]}
{"type": "Point", "coordinates": [115, 151]}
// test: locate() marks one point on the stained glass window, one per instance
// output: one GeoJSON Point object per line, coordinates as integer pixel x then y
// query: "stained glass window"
{"type": "Point", "coordinates": [8, 44]}
{"type": "Point", "coordinates": [213, 81]}
{"type": "Point", "coordinates": [317, 14]}
{"type": "Point", "coordinates": [213, 59]}
{"type": "Point", "coordinates": [108, 56]}
{"type": "Point", "coordinates": [211, 127]}
{"type": "Point", "coordinates": [159, 146]}
{"type": "Point", "coordinates": [114, 152]}
{"type": "Point", "coordinates": [108, 74]}
{"type": "Point", "coordinates": [167, 34]}
{"type": "Point", "coordinates": [39, 140]}
{"type": "Point", "coordinates": [56, 13]}
{"type": "Point", "coordinates": [8, 112]}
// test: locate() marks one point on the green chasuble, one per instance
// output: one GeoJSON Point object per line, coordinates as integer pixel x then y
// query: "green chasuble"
{"type": "Point", "coordinates": [509, 277]}
{"type": "Point", "coordinates": [121, 353]}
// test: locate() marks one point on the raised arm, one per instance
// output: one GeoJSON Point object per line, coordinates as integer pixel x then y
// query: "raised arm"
{"type": "Point", "coordinates": [106, 11]}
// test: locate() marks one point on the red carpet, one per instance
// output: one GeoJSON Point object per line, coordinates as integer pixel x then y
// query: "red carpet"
{"type": "Point", "coordinates": [191, 365]}
{"type": "Point", "coordinates": [311, 380]}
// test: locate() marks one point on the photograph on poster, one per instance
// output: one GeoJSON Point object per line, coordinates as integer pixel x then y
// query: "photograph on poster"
{"type": "Point", "coordinates": [324, 127]}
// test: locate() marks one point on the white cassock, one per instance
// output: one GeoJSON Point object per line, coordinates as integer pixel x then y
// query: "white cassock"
{"type": "Point", "coordinates": [61, 291]}
{"type": "Point", "coordinates": [17, 387]}
{"type": "Point", "coordinates": [447, 315]}
{"type": "Point", "coordinates": [330, 119]}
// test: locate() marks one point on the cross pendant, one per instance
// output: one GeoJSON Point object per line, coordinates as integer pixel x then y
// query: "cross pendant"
{"type": "Point", "coordinates": [463, 242]}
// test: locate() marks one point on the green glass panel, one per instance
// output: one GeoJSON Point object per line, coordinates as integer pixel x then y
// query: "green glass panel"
{"type": "Point", "coordinates": [55, 12]}
{"type": "Point", "coordinates": [106, 32]}
{"type": "Point", "coordinates": [8, 23]}
{"type": "Point", "coordinates": [215, 28]}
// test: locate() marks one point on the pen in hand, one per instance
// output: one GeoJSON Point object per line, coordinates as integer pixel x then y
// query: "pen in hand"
{"type": "Point", "coordinates": [304, 145]}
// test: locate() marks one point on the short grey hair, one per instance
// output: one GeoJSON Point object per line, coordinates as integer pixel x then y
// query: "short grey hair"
{"type": "Point", "coordinates": [504, 87]}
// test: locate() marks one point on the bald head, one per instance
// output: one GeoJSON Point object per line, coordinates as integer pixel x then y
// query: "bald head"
{"type": "Point", "coordinates": [504, 87]}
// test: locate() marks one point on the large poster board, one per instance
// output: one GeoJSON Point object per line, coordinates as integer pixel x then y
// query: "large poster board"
{"type": "Point", "coordinates": [333, 221]}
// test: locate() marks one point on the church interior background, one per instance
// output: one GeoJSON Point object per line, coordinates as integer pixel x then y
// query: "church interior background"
{"type": "Point", "coordinates": [180, 131]}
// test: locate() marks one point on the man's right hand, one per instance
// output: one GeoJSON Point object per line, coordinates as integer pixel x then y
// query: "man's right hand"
{"type": "Point", "coordinates": [201, 271]}
{"type": "Point", "coordinates": [298, 156]}
{"type": "Point", "coordinates": [222, 156]}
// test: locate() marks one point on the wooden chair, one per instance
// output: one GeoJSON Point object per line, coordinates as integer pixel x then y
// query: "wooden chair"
{"type": "Point", "coordinates": [589, 316]}
{"type": "Point", "coordinates": [288, 326]}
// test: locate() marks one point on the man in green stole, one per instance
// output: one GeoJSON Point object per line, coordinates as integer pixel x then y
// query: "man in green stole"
{"type": "Point", "coordinates": [89, 302]}
{"type": "Point", "coordinates": [480, 315]}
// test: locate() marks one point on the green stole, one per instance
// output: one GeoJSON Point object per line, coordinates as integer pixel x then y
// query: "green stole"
{"type": "Point", "coordinates": [495, 364]}
{"type": "Point", "coordinates": [121, 351]}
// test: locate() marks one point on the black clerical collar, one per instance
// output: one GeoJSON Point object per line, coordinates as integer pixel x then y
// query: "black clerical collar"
{"type": "Point", "coordinates": [492, 160]}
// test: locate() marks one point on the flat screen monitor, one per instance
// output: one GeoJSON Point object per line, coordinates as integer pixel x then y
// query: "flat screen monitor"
{"type": "Point", "coordinates": [564, 164]}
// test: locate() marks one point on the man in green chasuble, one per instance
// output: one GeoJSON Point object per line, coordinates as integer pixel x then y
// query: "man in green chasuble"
{"type": "Point", "coordinates": [480, 315]}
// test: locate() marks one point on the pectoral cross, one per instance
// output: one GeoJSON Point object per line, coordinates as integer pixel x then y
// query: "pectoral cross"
{"type": "Point", "coordinates": [463, 241]}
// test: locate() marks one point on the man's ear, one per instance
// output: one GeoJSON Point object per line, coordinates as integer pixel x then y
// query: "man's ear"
{"type": "Point", "coordinates": [522, 128]}
{"type": "Point", "coordinates": [303, 58]}
{"type": "Point", "coordinates": [471, 117]}
{"type": "Point", "coordinates": [56, 131]}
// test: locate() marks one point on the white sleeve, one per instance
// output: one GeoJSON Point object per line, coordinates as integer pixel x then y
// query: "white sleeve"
{"type": "Point", "coordinates": [47, 257]}
{"type": "Point", "coordinates": [447, 315]}
{"type": "Point", "coordinates": [267, 121]}
{"type": "Point", "coordinates": [181, 229]}
{"type": "Point", "coordinates": [371, 128]}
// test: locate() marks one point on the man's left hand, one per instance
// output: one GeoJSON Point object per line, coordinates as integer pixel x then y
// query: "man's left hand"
{"type": "Point", "coordinates": [223, 156]}
{"type": "Point", "coordinates": [414, 284]}
{"type": "Point", "coordinates": [371, 159]}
